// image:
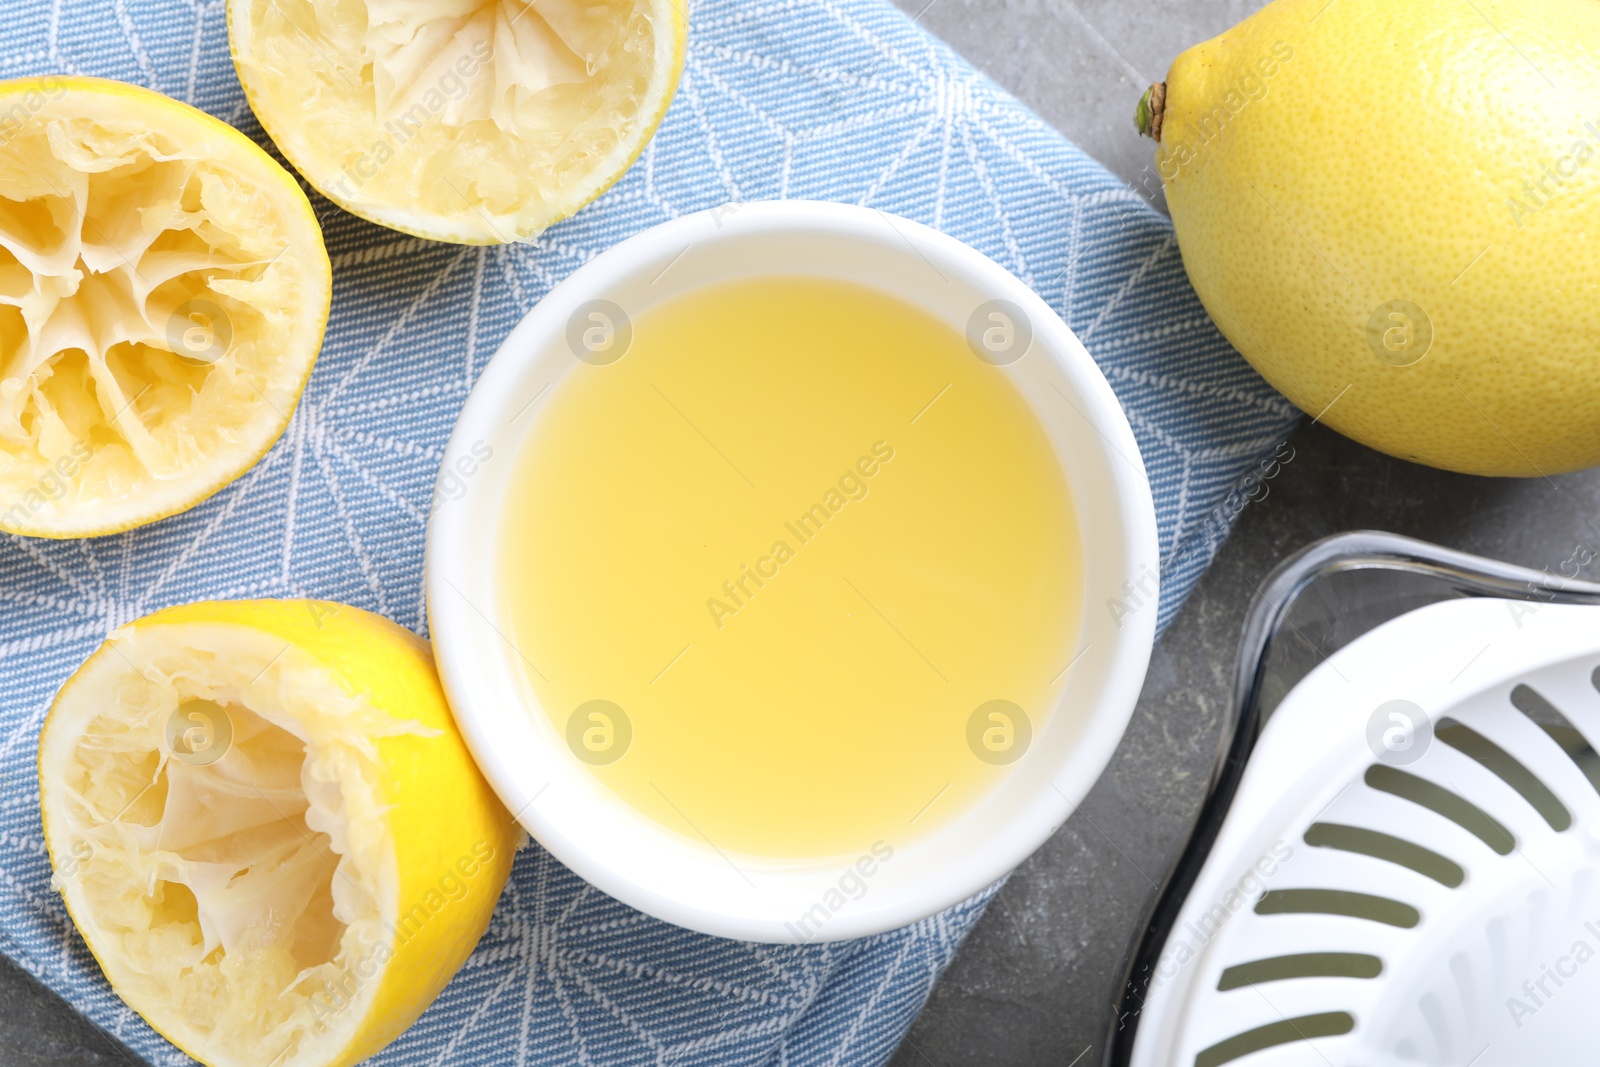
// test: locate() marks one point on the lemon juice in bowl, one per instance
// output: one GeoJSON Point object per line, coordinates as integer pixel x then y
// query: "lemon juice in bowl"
{"type": "Point", "coordinates": [779, 610]}
{"type": "Point", "coordinates": [793, 571]}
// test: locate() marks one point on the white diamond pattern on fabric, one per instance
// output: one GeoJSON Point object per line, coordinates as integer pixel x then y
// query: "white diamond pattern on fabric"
{"type": "Point", "coordinates": [824, 99]}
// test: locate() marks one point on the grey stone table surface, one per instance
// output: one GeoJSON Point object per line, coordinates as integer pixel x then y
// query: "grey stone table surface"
{"type": "Point", "coordinates": [1035, 982]}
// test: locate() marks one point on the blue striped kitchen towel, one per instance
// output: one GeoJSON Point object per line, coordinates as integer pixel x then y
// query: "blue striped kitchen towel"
{"type": "Point", "coordinates": [826, 99]}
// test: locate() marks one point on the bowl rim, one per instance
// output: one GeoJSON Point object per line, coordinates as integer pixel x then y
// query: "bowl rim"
{"type": "Point", "coordinates": [504, 751]}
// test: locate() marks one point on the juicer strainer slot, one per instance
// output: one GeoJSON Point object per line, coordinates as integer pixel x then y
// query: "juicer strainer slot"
{"type": "Point", "coordinates": [1444, 802]}
{"type": "Point", "coordinates": [1379, 845]}
{"type": "Point", "coordinates": [1560, 728]}
{"type": "Point", "coordinates": [1507, 768]}
{"type": "Point", "coordinates": [1300, 965]}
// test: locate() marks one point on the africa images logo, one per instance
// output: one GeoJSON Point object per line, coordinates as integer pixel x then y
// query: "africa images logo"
{"type": "Point", "coordinates": [738, 591]}
{"type": "Point", "coordinates": [1203, 129]}
{"type": "Point", "coordinates": [1539, 191]}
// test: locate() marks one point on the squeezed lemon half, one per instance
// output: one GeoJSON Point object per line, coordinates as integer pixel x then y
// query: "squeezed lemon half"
{"type": "Point", "coordinates": [163, 292]}
{"type": "Point", "coordinates": [476, 121]}
{"type": "Point", "coordinates": [267, 829]}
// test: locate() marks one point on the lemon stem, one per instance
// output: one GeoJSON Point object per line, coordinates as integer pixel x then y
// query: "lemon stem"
{"type": "Point", "coordinates": [1152, 107]}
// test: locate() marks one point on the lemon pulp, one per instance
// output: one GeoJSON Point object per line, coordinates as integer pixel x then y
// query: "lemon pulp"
{"type": "Point", "coordinates": [473, 120]}
{"type": "Point", "coordinates": [792, 540]}
{"type": "Point", "coordinates": [264, 825]}
{"type": "Point", "coordinates": [163, 290]}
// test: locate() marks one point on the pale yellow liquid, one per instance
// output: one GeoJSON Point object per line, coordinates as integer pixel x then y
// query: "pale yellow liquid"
{"type": "Point", "coordinates": [824, 704]}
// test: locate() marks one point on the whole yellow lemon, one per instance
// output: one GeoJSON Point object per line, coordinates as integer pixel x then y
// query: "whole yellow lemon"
{"type": "Point", "coordinates": [1392, 209]}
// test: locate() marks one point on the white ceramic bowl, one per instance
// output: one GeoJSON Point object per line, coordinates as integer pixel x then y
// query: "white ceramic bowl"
{"type": "Point", "coordinates": [628, 855]}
